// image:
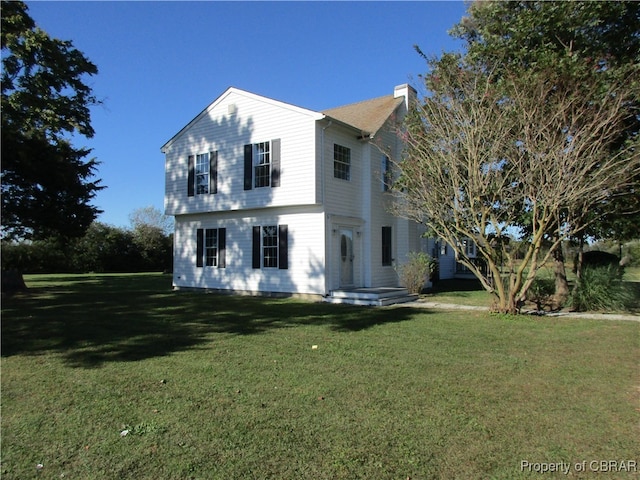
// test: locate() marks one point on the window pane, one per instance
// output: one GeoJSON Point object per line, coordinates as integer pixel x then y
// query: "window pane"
{"type": "Point", "coordinates": [262, 175]}
{"type": "Point", "coordinates": [202, 163]}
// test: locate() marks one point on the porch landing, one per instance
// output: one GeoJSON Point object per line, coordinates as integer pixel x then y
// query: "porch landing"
{"type": "Point", "coordinates": [379, 296]}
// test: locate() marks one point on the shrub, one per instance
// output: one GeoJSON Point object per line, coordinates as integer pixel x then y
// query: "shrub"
{"type": "Point", "coordinates": [541, 292]}
{"type": "Point", "coordinates": [601, 288]}
{"type": "Point", "coordinates": [633, 253]}
{"type": "Point", "coordinates": [598, 259]}
{"type": "Point", "coordinates": [415, 273]}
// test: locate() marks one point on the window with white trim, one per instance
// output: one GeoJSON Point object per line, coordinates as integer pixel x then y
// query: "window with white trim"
{"type": "Point", "coordinates": [469, 247]}
{"type": "Point", "coordinates": [211, 247]}
{"type": "Point", "coordinates": [270, 247]}
{"type": "Point", "coordinates": [202, 173]}
{"type": "Point", "coordinates": [262, 164]}
{"type": "Point", "coordinates": [341, 162]}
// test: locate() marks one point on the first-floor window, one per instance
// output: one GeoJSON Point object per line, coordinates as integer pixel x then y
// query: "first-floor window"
{"type": "Point", "coordinates": [210, 247]}
{"type": "Point", "coordinates": [271, 246]}
{"type": "Point", "coordinates": [386, 246]}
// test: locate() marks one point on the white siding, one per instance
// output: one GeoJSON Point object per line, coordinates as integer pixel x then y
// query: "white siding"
{"type": "Point", "coordinates": [385, 143]}
{"type": "Point", "coordinates": [306, 252]}
{"type": "Point", "coordinates": [443, 253]}
{"type": "Point", "coordinates": [231, 122]}
{"type": "Point", "coordinates": [343, 197]}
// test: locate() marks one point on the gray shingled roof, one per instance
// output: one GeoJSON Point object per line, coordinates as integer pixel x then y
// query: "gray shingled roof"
{"type": "Point", "coordinates": [367, 116]}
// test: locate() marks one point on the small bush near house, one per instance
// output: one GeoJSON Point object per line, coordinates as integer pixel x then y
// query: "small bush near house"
{"type": "Point", "coordinates": [601, 288]}
{"type": "Point", "coordinates": [415, 273]}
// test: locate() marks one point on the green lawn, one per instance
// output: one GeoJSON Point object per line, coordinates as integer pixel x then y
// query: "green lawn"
{"type": "Point", "coordinates": [225, 387]}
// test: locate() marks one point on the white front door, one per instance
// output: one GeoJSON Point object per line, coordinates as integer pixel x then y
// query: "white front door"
{"type": "Point", "coordinates": [346, 257]}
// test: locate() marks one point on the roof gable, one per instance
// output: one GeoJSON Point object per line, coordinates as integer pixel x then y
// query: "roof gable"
{"type": "Point", "coordinates": [369, 115]}
{"type": "Point", "coordinates": [244, 93]}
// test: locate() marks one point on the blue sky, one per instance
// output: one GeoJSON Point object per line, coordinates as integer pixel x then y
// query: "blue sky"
{"type": "Point", "coordinates": [162, 63]}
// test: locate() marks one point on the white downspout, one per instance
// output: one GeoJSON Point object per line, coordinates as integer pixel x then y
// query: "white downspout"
{"type": "Point", "coordinates": [328, 233]}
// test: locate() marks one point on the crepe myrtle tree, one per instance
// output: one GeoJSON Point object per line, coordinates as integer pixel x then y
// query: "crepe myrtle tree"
{"type": "Point", "coordinates": [486, 155]}
{"type": "Point", "coordinates": [576, 38]}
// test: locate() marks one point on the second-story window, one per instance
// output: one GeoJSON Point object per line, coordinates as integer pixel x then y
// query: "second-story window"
{"type": "Point", "coordinates": [385, 168]}
{"type": "Point", "coordinates": [202, 173]}
{"type": "Point", "coordinates": [341, 162]}
{"type": "Point", "coordinates": [469, 247]}
{"type": "Point", "coordinates": [262, 164]}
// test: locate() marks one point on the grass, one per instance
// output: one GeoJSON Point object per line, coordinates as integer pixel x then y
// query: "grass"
{"type": "Point", "coordinates": [212, 387]}
{"type": "Point", "coordinates": [461, 292]}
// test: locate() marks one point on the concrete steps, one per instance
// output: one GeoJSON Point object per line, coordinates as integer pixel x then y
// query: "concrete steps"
{"type": "Point", "coordinates": [378, 297]}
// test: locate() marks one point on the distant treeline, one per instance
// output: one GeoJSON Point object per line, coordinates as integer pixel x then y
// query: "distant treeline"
{"type": "Point", "coordinates": [102, 249]}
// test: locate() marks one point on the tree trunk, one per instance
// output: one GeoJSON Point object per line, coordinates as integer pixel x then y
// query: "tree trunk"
{"type": "Point", "coordinates": [12, 281]}
{"type": "Point", "coordinates": [562, 285]}
{"type": "Point", "coordinates": [579, 262]}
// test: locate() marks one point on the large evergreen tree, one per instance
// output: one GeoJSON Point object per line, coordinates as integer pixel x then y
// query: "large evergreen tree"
{"type": "Point", "coordinates": [47, 184]}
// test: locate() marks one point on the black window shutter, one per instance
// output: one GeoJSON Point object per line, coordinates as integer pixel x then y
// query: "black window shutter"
{"type": "Point", "coordinates": [200, 248]}
{"type": "Point", "coordinates": [213, 172]}
{"type": "Point", "coordinates": [256, 248]}
{"type": "Point", "coordinates": [248, 166]}
{"type": "Point", "coordinates": [283, 247]}
{"type": "Point", "coordinates": [191, 177]}
{"type": "Point", "coordinates": [386, 246]}
{"type": "Point", "coordinates": [275, 162]}
{"type": "Point", "coordinates": [222, 247]}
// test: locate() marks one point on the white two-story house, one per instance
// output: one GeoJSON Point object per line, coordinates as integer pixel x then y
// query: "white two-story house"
{"type": "Point", "coordinates": [273, 198]}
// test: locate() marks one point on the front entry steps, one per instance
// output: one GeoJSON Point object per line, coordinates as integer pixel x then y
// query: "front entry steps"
{"type": "Point", "coordinates": [379, 297]}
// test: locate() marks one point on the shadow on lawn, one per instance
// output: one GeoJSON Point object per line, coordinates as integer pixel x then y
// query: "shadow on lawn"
{"type": "Point", "coordinates": [456, 286]}
{"type": "Point", "coordinates": [91, 320]}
